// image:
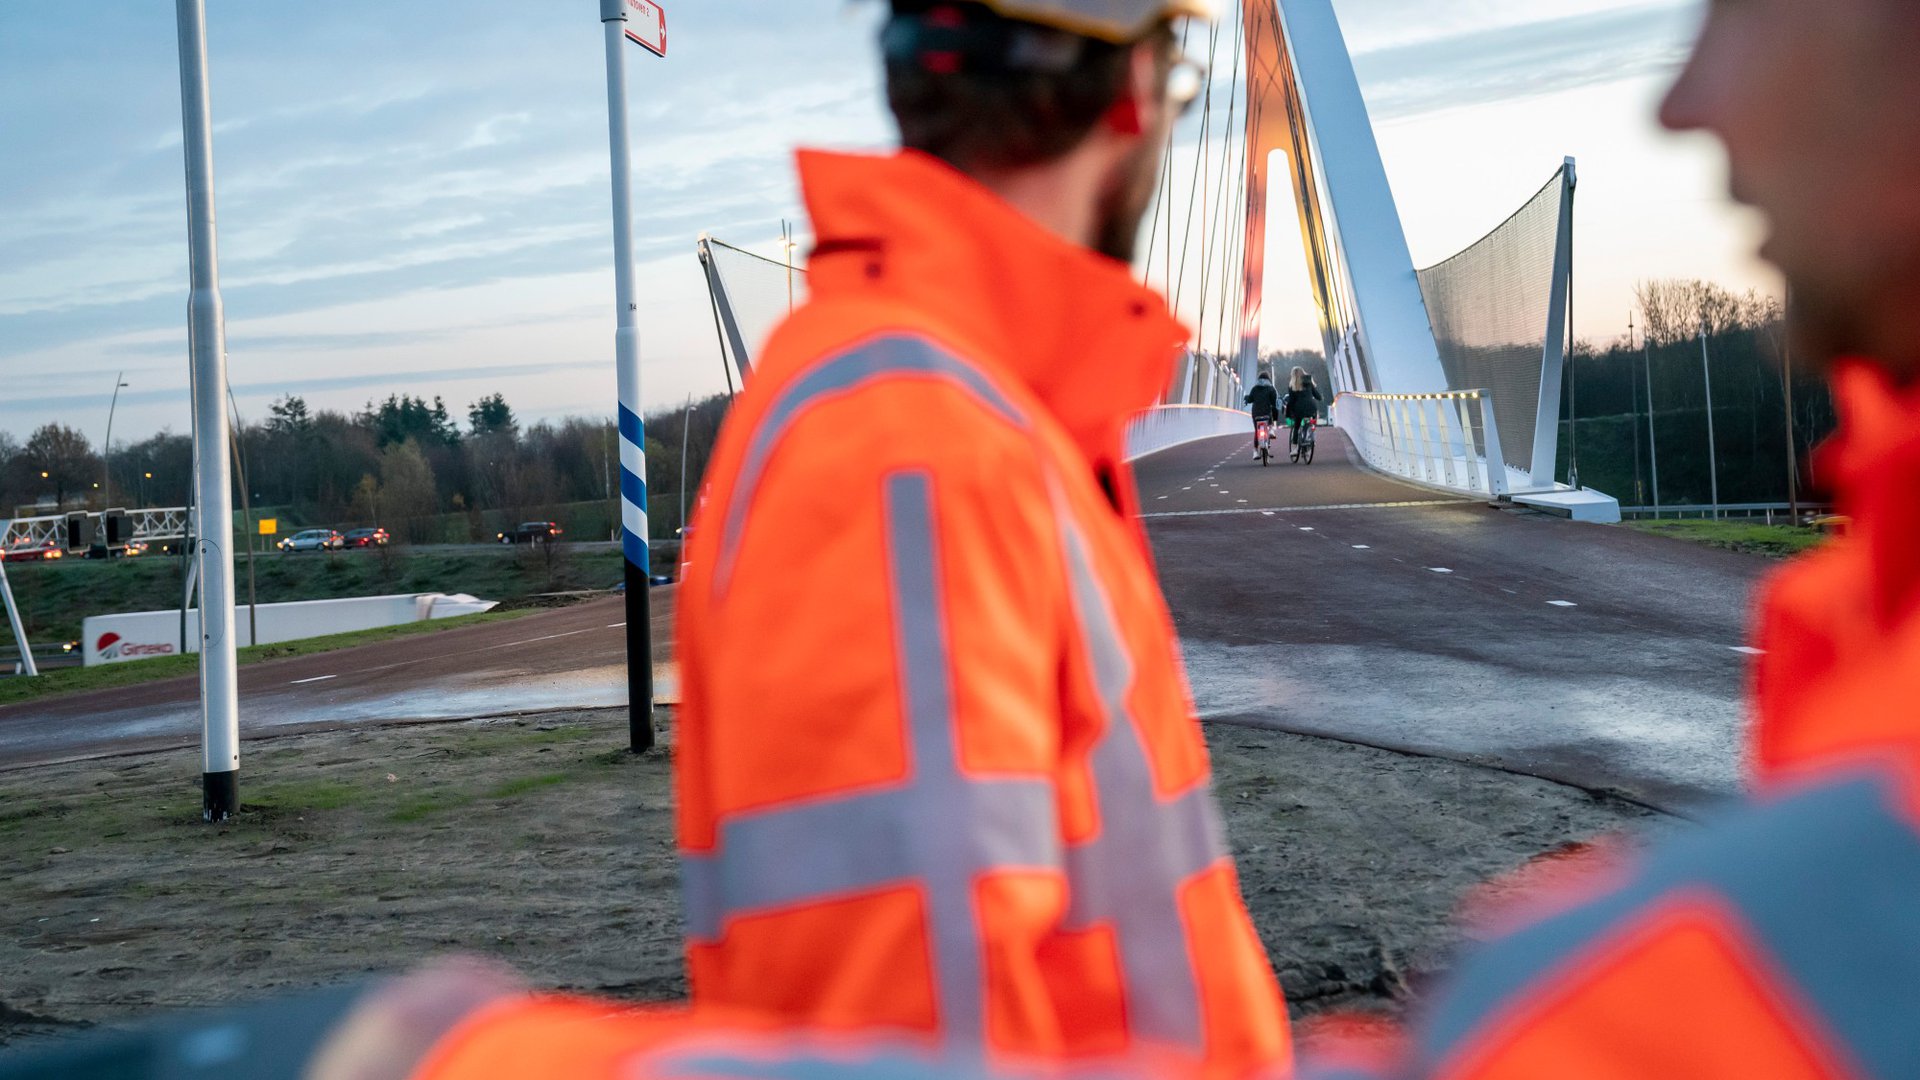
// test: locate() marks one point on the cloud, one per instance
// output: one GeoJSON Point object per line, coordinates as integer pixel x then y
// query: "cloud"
{"type": "Point", "coordinates": [1526, 60]}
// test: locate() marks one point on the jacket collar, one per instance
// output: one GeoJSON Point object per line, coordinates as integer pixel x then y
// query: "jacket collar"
{"type": "Point", "coordinates": [1092, 343]}
{"type": "Point", "coordinates": [1875, 462]}
{"type": "Point", "coordinates": [1841, 627]}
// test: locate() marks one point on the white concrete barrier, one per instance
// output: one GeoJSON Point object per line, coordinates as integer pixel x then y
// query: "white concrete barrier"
{"type": "Point", "coordinates": [1450, 442]}
{"type": "Point", "coordinates": [143, 635]}
{"type": "Point", "coordinates": [1167, 426]}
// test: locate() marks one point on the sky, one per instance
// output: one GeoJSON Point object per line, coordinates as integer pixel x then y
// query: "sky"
{"type": "Point", "coordinates": [414, 197]}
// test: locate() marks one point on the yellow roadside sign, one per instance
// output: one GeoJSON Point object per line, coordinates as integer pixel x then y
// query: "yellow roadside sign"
{"type": "Point", "coordinates": [269, 526]}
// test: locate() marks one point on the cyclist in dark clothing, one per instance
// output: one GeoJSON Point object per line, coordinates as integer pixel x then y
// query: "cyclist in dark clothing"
{"type": "Point", "coordinates": [1302, 403]}
{"type": "Point", "coordinates": [1265, 401]}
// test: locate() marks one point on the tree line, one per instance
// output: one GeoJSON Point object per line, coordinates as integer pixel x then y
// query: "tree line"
{"type": "Point", "coordinates": [411, 465]}
{"type": "Point", "coordinates": [1692, 335]}
{"type": "Point", "coordinates": [407, 464]}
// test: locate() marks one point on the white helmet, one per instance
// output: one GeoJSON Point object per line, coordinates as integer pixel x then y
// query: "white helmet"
{"type": "Point", "coordinates": [1118, 21]}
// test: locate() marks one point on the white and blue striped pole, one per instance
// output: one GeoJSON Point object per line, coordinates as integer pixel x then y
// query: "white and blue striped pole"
{"type": "Point", "coordinates": [633, 431]}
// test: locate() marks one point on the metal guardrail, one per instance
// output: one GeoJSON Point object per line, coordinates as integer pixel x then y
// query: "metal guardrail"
{"type": "Point", "coordinates": [1769, 511]}
{"type": "Point", "coordinates": [1447, 440]}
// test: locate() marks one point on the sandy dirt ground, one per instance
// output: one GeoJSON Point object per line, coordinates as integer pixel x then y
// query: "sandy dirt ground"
{"type": "Point", "coordinates": [541, 841]}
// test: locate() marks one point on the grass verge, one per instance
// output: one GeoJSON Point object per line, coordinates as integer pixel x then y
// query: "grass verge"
{"type": "Point", "coordinates": [1778, 541]}
{"type": "Point", "coordinates": [111, 676]}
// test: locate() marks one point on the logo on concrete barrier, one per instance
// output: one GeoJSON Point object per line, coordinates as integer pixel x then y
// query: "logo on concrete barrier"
{"type": "Point", "coordinates": [112, 646]}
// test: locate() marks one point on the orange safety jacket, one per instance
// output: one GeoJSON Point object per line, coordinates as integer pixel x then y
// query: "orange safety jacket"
{"type": "Point", "coordinates": [938, 765]}
{"type": "Point", "coordinates": [1781, 940]}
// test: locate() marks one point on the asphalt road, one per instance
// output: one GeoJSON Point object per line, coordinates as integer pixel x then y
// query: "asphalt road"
{"type": "Point", "coordinates": [572, 657]}
{"type": "Point", "coordinates": [1322, 599]}
{"type": "Point", "coordinates": [1330, 600]}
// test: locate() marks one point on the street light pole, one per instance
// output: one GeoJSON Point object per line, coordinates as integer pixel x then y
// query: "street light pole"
{"type": "Point", "coordinates": [633, 431]}
{"type": "Point", "coordinates": [786, 246]}
{"type": "Point", "coordinates": [106, 451]}
{"type": "Point", "coordinates": [1639, 488]}
{"type": "Point", "coordinates": [219, 683]}
{"type": "Point", "coordinates": [1713, 446]}
{"type": "Point", "coordinates": [1653, 440]}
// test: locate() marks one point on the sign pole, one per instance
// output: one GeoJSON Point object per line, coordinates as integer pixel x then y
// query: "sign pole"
{"type": "Point", "coordinates": [219, 673]}
{"type": "Point", "coordinates": [27, 667]}
{"type": "Point", "coordinates": [633, 432]}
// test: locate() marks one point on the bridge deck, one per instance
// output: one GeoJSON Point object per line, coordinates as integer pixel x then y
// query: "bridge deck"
{"type": "Point", "coordinates": [1599, 656]}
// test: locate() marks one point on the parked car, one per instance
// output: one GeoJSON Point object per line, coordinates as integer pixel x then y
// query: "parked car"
{"type": "Point", "coordinates": [532, 532]}
{"type": "Point", "coordinates": [360, 538]}
{"type": "Point", "coordinates": [31, 551]}
{"type": "Point", "coordinates": [313, 540]}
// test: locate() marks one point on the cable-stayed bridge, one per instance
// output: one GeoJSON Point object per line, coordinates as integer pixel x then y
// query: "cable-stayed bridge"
{"type": "Point", "coordinates": [1448, 377]}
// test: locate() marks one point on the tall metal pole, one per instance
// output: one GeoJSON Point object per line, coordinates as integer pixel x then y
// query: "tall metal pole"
{"type": "Point", "coordinates": [13, 616]}
{"type": "Point", "coordinates": [106, 450]}
{"type": "Point", "coordinates": [219, 665]}
{"type": "Point", "coordinates": [1639, 485]}
{"type": "Point", "coordinates": [1793, 437]}
{"type": "Point", "coordinates": [633, 431]}
{"type": "Point", "coordinates": [686, 428]}
{"type": "Point", "coordinates": [786, 246]}
{"type": "Point", "coordinates": [1653, 440]}
{"type": "Point", "coordinates": [1713, 446]}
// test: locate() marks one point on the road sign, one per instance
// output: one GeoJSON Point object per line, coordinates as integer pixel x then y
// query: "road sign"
{"type": "Point", "coordinates": [647, 25]}
{"type": "Point", "coordinates": [269, 526]}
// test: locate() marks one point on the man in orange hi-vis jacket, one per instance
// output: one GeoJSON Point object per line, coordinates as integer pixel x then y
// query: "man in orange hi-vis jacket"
{"type": "Point", "coordinates": [938, 769]}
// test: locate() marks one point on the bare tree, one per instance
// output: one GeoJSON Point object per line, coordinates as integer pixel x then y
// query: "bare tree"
{"type": "Point", "coordinates": [62, 458]}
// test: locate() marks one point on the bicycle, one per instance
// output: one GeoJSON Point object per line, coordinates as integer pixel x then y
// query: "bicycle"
{"type": "Point", "coordinates": [1302, 440]}
{"type": "Point", "coordinates": [1263, 440]}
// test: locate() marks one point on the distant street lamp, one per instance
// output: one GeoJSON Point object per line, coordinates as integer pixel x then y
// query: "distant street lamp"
{"type": "Point", "coordinates": [106, 451]}
{"type": "Point", "coordinates": [787, 244]}
{"type": "Point", "coordinates": [1713, 454]}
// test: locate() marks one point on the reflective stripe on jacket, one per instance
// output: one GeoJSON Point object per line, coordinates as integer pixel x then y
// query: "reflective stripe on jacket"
{"type": "Point", "coordinates": [1782, 941]}
{"type": "Point", "coordinates": [938, 767]}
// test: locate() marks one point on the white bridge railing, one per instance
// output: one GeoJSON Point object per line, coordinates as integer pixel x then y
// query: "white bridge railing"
{"type": "Point", "coordinates": [1447, 441]}
{"type": "Point", "coordinates": [1166, 426]}
{"type": "Point", "coordinates": [168, 523]}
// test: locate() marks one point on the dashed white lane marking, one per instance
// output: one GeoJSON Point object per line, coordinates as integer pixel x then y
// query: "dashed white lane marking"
{"type": "Point", "coordinates": [1563, 603]}
{"type": "Point", "coordinates": [1362, 547]}
{"type": "Point", "coordinates": [316, 678]}
{"type": "Point", "coordinates": [1748, 650]}
{"type": "Point", "coordinates": [1306, 528]}
{"type": "Point", "coordinates": [1240, 500]}
{"type": "Point", "coordinates": [1264, 513]}
{"type": "Point", "coordinates": [531, 640]}
{"type": "Point", "coordinates": [615, 625]}
{"type": "Point", "coordinates": [1439, 569]}
{"type": "Point", "coordinates": [1304, 509]}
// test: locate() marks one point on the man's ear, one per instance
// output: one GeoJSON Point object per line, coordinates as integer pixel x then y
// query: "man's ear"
{"type": "Point", "coordinates": [1129, 115]}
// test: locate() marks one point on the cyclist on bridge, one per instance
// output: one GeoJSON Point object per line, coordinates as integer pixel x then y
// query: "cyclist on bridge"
{"type": "Point", "coordinates": [1265, 401]}
{"type": "Point", "coordinates": [1302, 403]}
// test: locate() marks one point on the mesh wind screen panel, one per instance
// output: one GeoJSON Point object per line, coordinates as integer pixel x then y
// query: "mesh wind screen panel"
{"type": "Point", "coordinates": [1490, 307]}
{"type": "Point", "coordinates": [757, 290]}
